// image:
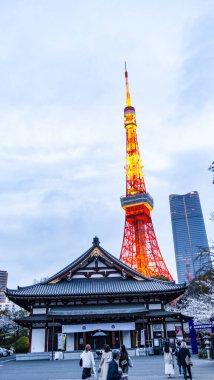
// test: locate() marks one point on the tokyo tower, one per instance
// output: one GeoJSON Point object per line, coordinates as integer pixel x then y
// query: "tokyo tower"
{"type": "Point", "coordinates": [140, 248]}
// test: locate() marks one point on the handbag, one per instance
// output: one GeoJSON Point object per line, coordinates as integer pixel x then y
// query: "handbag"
{"type": "Point", "coordinates": [188, 361]}
{"type": "Point", "coordinates": [172, 361]}
{"type": "Point", "coordinates": [80, 362]}
{"type": "Point", "coordinates": [93, 373]}
{"type": "Point", "coordinates": [130, 364]}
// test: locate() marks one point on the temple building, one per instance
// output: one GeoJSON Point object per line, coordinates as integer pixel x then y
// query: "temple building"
{"type": "Point", "coordinates": [98, 299]}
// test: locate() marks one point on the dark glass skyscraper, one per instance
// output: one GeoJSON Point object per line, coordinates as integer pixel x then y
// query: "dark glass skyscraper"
{"type": "Point", "coordinates": [189, 236]}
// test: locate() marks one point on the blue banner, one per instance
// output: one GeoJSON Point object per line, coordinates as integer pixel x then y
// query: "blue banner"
{"type": "Point", "coordinates": [193, 336]}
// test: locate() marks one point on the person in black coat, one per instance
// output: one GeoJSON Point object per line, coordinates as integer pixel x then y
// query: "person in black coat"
{"type": "Point", "coordinates": [113, 371]}
{"type": "Point", "coordinates": [182, 354]}
{"type": "Point", "coordinates": [176, 355]}
{"type": "Point", "coordinates": [123, 361]}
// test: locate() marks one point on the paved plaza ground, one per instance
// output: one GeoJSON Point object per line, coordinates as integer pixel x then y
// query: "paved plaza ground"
{"type": "Point", "coordinates": [144, 368]}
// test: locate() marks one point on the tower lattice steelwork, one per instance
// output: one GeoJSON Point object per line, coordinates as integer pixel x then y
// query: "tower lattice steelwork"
{"type": "Point", "coordinates": [140, 248]}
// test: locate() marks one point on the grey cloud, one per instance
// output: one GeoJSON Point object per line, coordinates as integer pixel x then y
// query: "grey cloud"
{"type": "Point", "coordinates": [62, 148]}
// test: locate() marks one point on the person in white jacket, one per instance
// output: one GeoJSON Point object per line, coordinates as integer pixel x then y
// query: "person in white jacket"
{"type": "Point", "coordinates": [88, 363]}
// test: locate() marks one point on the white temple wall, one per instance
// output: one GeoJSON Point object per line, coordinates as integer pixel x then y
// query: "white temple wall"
{"type": "Point", "coordinates": [39, 310]}
{"type": "Point", "coordinates": [127, 339]}
{"type": "Point", "coordinates": [38, 340]}
{"type": "Point", "coordinates": [70, 342]}
{"type": "Point", "coordinates": [170, 326]}
{"type": "Point", "coordinates": [154, 306]}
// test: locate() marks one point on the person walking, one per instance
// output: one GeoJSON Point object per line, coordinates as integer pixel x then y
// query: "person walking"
{"type": "Point", "coordinates": [114, 372]}
{"type": "Point", "coordinates": [178, 347]}
{"type": "Point", "coordinates": [88, 363]}
{"type": "Point", "coordinates": [123, 361]}
{"type": "Point", "coordinates": [104, 362]}
{"type": "Point", "coordinates": [168, 360]}
{"type": "Point", "coordinates": [184, 358]}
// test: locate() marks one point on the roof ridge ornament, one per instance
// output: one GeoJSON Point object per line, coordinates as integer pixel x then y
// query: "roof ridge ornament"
{"type": "Point", "coordinates": [96, 241]}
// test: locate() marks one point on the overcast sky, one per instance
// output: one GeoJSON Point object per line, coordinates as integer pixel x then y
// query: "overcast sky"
{"type": "Point", "coordinates": [62, 138]}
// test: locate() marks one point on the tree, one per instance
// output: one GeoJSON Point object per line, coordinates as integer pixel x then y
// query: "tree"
{"type": "Point", "coordinates": [205, 259]}
{"type": "Point", "coordinates": [8, 323]}
{"type": "Point", "coordinates": [211, 168]}
{"type": "Point", "coordinates": [10, 332]}
{"type": "Point", "coordinates": [198, 300]}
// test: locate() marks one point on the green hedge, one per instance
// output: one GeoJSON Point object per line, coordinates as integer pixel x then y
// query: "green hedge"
{"type": "Point", "coordinates": [21, 345]}
{"type": "Point", "coordinates": [7, 340]}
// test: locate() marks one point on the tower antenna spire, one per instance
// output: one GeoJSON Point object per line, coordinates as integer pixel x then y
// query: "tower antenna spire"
{"type": "Point", "coordinates": [128, 96]}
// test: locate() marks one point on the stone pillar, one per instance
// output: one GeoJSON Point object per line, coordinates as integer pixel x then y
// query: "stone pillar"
{"type": "Point", "coordinates": [127, 339]}
{"type": "Point", "coordinates": [70, 342]}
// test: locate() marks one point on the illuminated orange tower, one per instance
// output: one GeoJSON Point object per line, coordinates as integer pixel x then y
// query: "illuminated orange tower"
{"type": "Point", "coordinates": [140, 248]}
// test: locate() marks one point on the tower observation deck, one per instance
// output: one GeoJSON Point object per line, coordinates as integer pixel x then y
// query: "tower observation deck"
{"type": "Point", "coordinates": [140, 248]}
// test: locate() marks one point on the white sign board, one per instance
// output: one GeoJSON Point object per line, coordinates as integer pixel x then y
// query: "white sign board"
{"type": "Point", "coordinates": [98, 326]}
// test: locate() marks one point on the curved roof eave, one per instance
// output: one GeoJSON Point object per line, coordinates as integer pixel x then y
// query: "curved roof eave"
{"type": "Point", "coordinates": [124, 266]}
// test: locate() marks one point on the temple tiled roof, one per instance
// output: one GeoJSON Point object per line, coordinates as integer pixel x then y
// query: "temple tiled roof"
{"type": "Point", "coordinates": [95, 274]}
{"type": "Point", "coordinates": [112, 258]}
{"type": "Point", "coordinates": [69, 313]}
{"type": "Point", "coordinates": [166, 313]}
{"type": "Point", "coordinates": [98, 310]}
{"type": "Point", "coordinates": [105, 286]}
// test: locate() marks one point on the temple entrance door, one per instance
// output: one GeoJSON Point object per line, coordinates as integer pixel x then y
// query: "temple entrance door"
{"type": "Point", "coordinates": [99, 339]}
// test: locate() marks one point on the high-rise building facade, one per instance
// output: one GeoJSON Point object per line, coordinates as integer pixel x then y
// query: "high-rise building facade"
{"type": "Point", "coordinates": [3, 285]}
{"type": "Point", "coordinates": [189, 235]}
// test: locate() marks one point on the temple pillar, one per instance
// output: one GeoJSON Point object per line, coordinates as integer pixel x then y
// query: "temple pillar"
{"type": "Point", "coordinates": [182, 328]}
{"type": "Point", "coordinates": [150, 333]}
{"type": "Point", "coordinates": [30, 338]}
{"type": "Point", "coordinates": [113, 339]}
{"type": "Point", "coordinates": [84, 339]}
{"type": "Point", "coordinates": [46, 338]}
{"type": "Point", "coordinates": [164, 329]}
{"type": "Point", "coordinates": [134, 338]}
